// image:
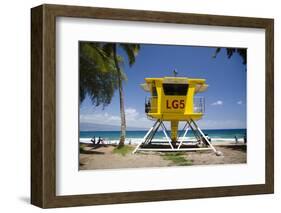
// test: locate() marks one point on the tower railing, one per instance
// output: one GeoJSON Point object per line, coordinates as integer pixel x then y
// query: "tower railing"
{"type": "Point", "coordinates": [151, 104]}
{"type": "Point", "coordinates": [199, 104]}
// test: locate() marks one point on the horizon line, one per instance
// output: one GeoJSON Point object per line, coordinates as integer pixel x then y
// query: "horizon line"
{"type": "Point", "coordinates": [145, 130]}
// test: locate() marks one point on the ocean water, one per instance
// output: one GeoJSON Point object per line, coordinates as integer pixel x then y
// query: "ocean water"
{"type": "Point", "coordinates": [136, 136]}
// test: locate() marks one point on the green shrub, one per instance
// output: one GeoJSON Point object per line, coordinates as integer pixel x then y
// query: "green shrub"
{"type": "Point", "coordinates": [124, 150]}
{"type": "Point", "coordinates": [178, 159]}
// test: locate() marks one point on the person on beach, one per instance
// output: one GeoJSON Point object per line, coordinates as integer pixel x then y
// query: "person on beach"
{"type": "Point", "coordinates": [207, 136]}
{"type": "Point", "coordinates": [100, 140]}
{"type": "Point", "coordinates": [204, 140]}
{"type": "Point", "coordinates": [93, 140]}
{"type": "Point", "coordinates": [245, 139]}
{"type": "Point", "coordinates": [236, 139]}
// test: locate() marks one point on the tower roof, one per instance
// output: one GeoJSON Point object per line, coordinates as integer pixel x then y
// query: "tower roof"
{"type": "Point", "coordinates": [199, 83]}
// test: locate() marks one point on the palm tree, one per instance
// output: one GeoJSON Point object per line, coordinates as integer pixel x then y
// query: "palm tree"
{"type": "Point", "coordinates": [230, 51]}
{"type": "Point", "coordinates": [101, 73]}
{"type": "Point", "coordinates": [97, 75]}
{"type": "Point", "coordinates": [131, 51]}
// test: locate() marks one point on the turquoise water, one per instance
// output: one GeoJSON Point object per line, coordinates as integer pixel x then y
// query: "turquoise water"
{"type": "Point", "coordinates": [114, 135]}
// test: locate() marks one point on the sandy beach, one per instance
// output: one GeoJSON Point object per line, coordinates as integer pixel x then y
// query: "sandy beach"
{"type": "Point", "coordinates": [108, 157]}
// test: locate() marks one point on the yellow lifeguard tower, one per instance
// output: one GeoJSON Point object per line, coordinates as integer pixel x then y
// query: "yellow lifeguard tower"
{"type": "Point", "coordinates": [173, 99]}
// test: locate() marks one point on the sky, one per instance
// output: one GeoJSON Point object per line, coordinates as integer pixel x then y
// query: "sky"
{"type": "Point", "coordinates": [225, 98]}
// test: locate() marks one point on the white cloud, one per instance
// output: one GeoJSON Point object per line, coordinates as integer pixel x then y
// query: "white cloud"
{"type": "Point", "coordinates": [221, 124]}
{"type": "Point", "coordinates": [131, 114]}
{"type": "Point", "coordinates": [103, 118]}
{"type": "Point", "coordinates": [219, 102]}
{"type": "Point", "coordinates": [139, 120]}
{"type": "Point", "coordinates": [239, 102]}
{"type": "Point", "coordinates": [133, 118]}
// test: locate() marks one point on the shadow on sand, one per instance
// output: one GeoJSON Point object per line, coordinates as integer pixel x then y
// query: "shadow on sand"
{"type": "Point", "coordinates": [240, 147]}
{"type": "Point", "coordinates": [89, 152]}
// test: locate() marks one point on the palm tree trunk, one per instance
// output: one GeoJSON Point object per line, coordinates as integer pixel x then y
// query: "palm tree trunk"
{"type": "Point", "coordinates": [121, 99]}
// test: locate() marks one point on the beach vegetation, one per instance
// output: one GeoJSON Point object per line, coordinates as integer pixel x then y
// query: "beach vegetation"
{"type": "Point", "coordinates": [124, 150]}
{"type": "Point", "coordinates": [81, 147]}
{"type": "Point", "coordinates": [131, 51]}
{"type": "Point", "coordinates": [177, 158]}
{"type": "Point", "coordinates": [101, 74]}
{"type": "Point", "coordinates": [242, 52]}
{"type": "Point", "coordinates": [96, 74]}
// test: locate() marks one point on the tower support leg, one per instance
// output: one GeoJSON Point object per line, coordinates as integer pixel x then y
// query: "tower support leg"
{"type": "Point", "coordinates": [166, 135]}
{"type": "Point", "coordinates": [189, 125]}
{"type": "Point", "coordinates": [218, 153]}
{"type": "Point", "coordinates": [150, 131]}
{"type": "Point", "coordinates": [185, 132]}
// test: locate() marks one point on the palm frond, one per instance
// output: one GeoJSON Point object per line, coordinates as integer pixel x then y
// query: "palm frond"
{"type": "Point", "coordinates": [96, 56]}
{"type": "Point", "coordinates": [131, 52]}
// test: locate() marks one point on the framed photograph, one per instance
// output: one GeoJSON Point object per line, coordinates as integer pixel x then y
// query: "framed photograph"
{"type": "Point", "coordinates": [137, 106]}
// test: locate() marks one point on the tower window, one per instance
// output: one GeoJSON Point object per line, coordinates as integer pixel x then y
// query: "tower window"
{"type": "Point", "coordinates": [154, 92]}
{"type": "Point", "coordinates": [175, 89]}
